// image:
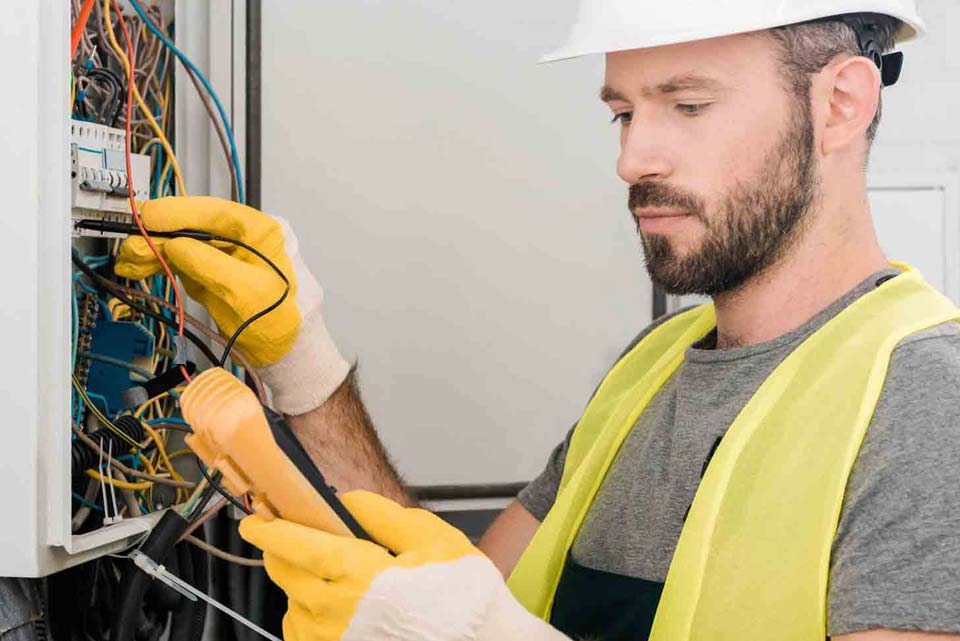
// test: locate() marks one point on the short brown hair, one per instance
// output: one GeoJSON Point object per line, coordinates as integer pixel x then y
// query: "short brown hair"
{"type": "Point", "coordinates": [808, 47]}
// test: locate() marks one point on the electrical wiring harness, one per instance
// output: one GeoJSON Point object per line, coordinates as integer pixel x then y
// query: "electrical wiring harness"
{"type": "Point", "coordinates": [134, 348]}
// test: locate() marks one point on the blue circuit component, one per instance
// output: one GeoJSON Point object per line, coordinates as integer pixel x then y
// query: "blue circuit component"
{"type": "Point", "coordinates": [121, 340]}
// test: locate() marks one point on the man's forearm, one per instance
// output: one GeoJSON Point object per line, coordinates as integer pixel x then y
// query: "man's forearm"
{"type": "Point", "coordinates": [341, 440]}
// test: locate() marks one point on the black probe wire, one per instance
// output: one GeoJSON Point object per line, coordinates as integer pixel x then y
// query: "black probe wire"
{"type": "Point", "coordinates": [133, 230]}
{"type": "Point", "coordinates": [263, 312]}
{"type": "Point", "coordinates": [220, 489]}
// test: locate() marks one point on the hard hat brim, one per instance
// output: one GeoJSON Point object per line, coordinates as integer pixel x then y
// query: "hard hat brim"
{"type": "Point", "coordinates": [590, 40]}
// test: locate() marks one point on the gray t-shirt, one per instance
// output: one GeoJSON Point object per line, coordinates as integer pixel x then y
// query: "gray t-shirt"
{"type": "Point", "coordinates": [896, 557]}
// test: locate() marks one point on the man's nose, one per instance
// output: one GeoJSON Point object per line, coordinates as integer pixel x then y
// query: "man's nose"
{"type": "Point", "coordinates": [643, 157]}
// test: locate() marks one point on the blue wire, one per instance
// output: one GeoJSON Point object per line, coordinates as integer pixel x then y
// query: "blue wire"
{"type": "Point", "coordinates": [168, 419]}
{"type": "Point", "coordinates": [92, 506]}
{"type": "Point", "coordinates": [206, 83]}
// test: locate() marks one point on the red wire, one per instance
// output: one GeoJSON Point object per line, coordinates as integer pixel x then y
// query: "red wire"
{"type": "Point", "coordinates": [130, 192]}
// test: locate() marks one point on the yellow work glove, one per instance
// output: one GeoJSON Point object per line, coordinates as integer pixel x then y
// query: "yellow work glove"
{"type": "Point", "coordinates": [290, 346]}
{"type": "Point", "coordinates": [438, 587]}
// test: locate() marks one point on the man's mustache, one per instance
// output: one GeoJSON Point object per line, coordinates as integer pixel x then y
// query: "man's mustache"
{"type": "Point", "coordinates": [655, 194]}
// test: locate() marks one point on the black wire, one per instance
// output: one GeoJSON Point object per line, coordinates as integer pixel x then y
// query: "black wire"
{"type": "Point", "coordinates": [103, 226]}
{"type": "Point", "coordinates": [264, 311]}
{"type": "Point", "coordinates": [112, 287]}
{"type": "Point", "coordinates": [108, 115]}
{"type": "Point", "coordinates": [220, 489]}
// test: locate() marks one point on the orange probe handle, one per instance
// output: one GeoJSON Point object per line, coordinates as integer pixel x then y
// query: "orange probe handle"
{"type": "Point", "coordinates": [231, 434]}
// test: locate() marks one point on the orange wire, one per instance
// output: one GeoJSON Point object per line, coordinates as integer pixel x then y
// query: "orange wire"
{"type": "Point", "coordinates": [77, 32]}
{"type": "Point", "coordinates": [130, 192]}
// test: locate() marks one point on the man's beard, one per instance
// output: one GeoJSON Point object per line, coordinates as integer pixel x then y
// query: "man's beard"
{"type": "Point", "coordinates": [754, 226]}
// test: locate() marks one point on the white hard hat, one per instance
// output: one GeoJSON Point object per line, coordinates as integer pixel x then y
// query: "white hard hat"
{"type": "Point", "coordinates": [617, 25]}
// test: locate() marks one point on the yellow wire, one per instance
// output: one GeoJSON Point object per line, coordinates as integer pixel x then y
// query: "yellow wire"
{"type": "Point", "coordinates": [101, 417]}
{"type": "Point", "coordinates": [163, 455]}
{"type": "Point", "coordinates": [163, 329]}
{"type": "Point", "coordinates": [166, 101]}
{"type": "Point", "coordinates": [148, 144]}
{"type": "Point", "coordinates": [161, 100]}
{"type": "Point", "coordinates": [73, 91]}
{"type": "Point", "coordinates": [148, 465]}
{"type": "Point", "coordinates": [184, 452]}
{"type": "Point", "coordinates": [143, 407]}
{"type": "Point", "coordinates": [123, 485]}
{"type": "Point", "coordinates": [136, 94]}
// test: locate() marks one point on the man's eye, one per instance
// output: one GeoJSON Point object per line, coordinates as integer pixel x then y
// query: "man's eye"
{"type": "Point", "coordinates": [692, 110]}
{"type": "Point", "coordinates": [623, 118]}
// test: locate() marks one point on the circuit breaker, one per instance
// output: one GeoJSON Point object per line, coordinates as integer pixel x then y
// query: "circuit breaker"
{"type": "Point", "coordinates": [98, 174]}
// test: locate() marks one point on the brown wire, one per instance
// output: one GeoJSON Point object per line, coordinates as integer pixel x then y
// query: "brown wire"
{"type": "Point", "coordinates": [217, 125]}
{"type": "Point", "coordinates": [89, 442]}
{"type": "Point", "coordinates": [220, 554]}
{"type": "Point", "coordinates": [201, 327]}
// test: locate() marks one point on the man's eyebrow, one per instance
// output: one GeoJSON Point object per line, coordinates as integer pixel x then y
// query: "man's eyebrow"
{"type": "Point", "coordinates": [673, 85]}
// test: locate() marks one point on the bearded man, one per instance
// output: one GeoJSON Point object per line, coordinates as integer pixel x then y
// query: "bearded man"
{"type": "Point", "coordinates": [778, 464]}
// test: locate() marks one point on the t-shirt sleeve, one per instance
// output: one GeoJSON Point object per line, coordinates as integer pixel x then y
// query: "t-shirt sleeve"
{"type": "Point", "coordinates": [539, 495]}
{"type": "Point", "coordinates": [896, 557]}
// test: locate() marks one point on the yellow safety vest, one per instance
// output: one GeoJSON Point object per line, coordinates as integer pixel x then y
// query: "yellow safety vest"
{"type": "Point", "coordinates": [753, 558]}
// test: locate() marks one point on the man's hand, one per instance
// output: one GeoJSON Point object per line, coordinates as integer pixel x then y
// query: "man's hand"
{"type": "Point", "coordinates": [290, 346]}
{"type": "Point", "coordinates": [438, 587]}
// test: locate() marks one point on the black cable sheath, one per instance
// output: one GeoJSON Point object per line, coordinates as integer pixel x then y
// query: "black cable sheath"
{"type": "Point", "coordinates": [107, 115]}
{"type": "Point", "coordinates": [237, 584]}
{"type": "Point", "coordinates": [134, 583]}
{"type": "Point", "coordinates": [186, 622]}
{"type": "Point", "coordinates": [105, 283]}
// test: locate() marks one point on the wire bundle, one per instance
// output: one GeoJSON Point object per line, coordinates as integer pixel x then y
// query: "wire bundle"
{"type": "Point", "coordinates": [123, 76]}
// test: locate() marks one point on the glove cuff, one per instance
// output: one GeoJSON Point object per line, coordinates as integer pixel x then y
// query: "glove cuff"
{"type": "Point", "coordinates": [508, 620]}
{"type": "Point", "coordinates": [311, 371]}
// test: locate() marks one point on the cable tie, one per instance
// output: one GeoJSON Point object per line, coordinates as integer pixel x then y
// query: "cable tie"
{"type": "Point", "coordinates": [163, 575]}
{"type": "Point", "coordinates": [113, 488]}
{"type": "Point", "coordinates": [107, 519]}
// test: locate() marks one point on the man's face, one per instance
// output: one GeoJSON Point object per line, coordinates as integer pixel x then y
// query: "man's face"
{"type": "Point", "coordinates": [719, 156]}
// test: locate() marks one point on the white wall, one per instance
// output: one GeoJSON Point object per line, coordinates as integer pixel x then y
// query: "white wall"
{"type": "Point", "coordinates": [920, 130]}
{"type": "Point", "coordinates": [461, 207]}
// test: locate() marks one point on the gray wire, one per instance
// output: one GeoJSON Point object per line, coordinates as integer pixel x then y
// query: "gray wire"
{"type": "Point", "coordinates": [116, 362]}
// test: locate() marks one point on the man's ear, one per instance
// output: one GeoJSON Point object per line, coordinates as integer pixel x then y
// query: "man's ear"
{"type": "Point", "coordinates": [852, 93]}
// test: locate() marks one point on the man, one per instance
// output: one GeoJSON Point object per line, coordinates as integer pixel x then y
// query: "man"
{"type": "Point", "coordinates": [778, 465]}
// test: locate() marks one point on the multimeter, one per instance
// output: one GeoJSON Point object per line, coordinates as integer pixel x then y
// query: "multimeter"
{"type": "Point", "coordinates": [256, 452]}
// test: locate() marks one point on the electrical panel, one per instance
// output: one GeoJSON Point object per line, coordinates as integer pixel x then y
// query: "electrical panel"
{"type": "Point", "coordinates": [118, 344]}
{"type": "Point", "coordinates": [98, 174]}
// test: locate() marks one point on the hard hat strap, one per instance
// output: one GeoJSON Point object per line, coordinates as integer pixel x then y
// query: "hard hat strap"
{"type": "Point", "coordinates": [890, 65]}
